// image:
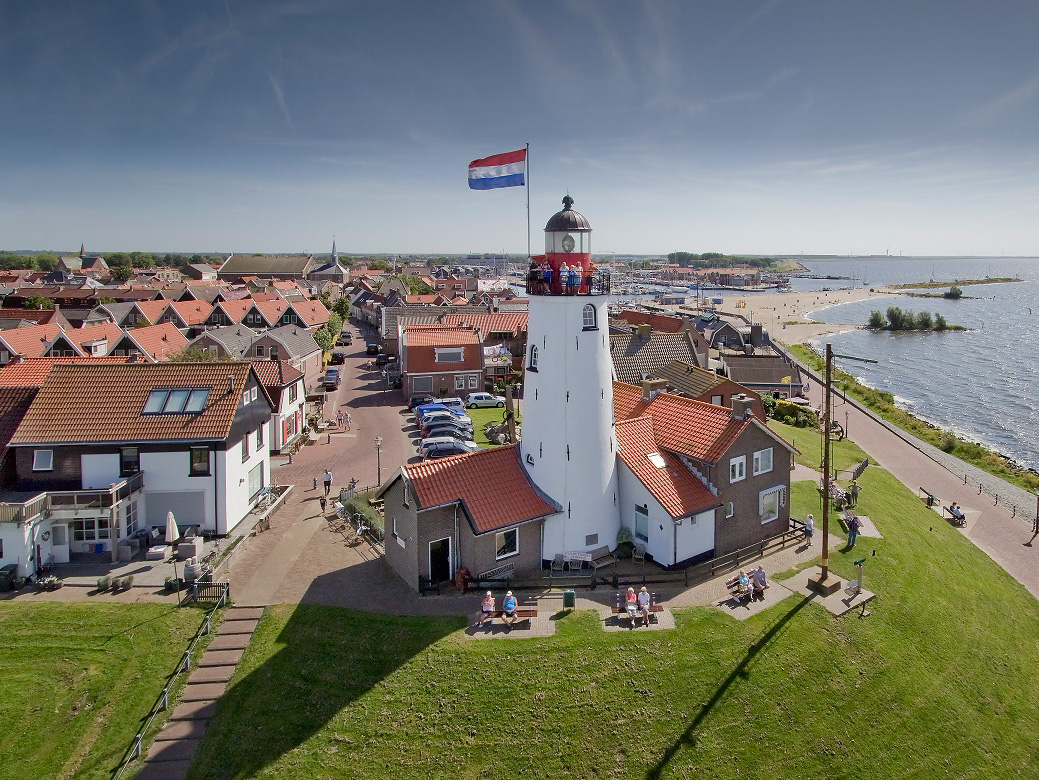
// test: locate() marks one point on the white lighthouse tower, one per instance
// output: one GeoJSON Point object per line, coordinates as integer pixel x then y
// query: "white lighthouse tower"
{"type": "Point", "coordinates": [568, 446]}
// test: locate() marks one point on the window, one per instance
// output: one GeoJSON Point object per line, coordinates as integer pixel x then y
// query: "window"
{"type": "Point", "coordinates": [449, 356]}
{"type": "Point", "coordinates": [199, 462]}
{"type": "Point", "coordinates": [459, 383]}
{"type": "Point", "coordinates": [406, 499]}
{"type": "Point", "coordinates": [591, 540]}
{"type": "Point", "coordinates": [43, 460]}
{"type": "Point", "coordinates": [717, 400]}
{"type": "Point", "coordinates": [5, 356]}
{"type": "Point", "coordinates": [762, 461]}
{"type": "Point", "coordinates": [129, 461]}
{"type": "Point", "coordinates": [255, 480]}
{"type": "Point", "coordinates": [245, 398]}
{"type": "Point", "coordinates": [394, 526]}
{"type": "Point", "coordinates": [588, 317]}
{"type": "Point", "coordinates": [292, 392]}
{"type": "Point", "coordinates": [473, 380]}
{"type": "Point", "coordinates": [259, 438]}
{"type": "Point", "coordinates": [133, 520]}
{"type": "Point", "coordinates": [422, 384]}
{"type": "Point", "coordinates": [245, 448]}
{"type": "Point", "coordinates": [259, 350]}
{"type": "Point", "coordinates": [506, 544]}
{"type": "Point", "coordinates": [253, 395]}
{"type": "Point", "coordinates": [88, 530]}
{"type": "Point", "coordinates": [642, 523]}
{"type": "Point", "coordinates": [181, 400]}
{"type": "Point", "coordinates": [533, 358]}
{"type": "Point", "coordinates": [730, 509]}
{"type": "Point", "coordinates": [769, 502]}
{"type": "Point", "coordinates": [738, 469]}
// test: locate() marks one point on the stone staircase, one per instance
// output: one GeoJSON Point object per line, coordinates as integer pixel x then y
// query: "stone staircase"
{"type": "Point", "coordinates": [175, 745]}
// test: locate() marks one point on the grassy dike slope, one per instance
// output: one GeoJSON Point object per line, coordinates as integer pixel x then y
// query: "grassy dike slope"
{"type": "Point", "coordinates": [940, 681]}
{"type": "Point", "coordinates": [76, 680]}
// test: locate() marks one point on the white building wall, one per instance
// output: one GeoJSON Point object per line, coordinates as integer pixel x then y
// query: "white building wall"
{"type": "Point", "coordinates": [233, 476]}
{"type": "Point", "coordinates": [568, 446]}
{"type": "Point", "coordinates": [100, 470]}
{"type": "Point", "coordinates": [168, 472]}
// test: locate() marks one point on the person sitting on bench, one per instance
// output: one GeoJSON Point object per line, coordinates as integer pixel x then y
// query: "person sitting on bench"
{"type": "Point", "coordinates": [956, 511]}
{"type": "Point", "coordinates": [508, 610]}
{"type": "Point", "coordinates": [758, 582]}
{"type": "Point", "coordinates": [631, 604]}
{"type": "Point", "coordinates": [644, 600]}
{"type": "Point", "coordinates": [487, 608]}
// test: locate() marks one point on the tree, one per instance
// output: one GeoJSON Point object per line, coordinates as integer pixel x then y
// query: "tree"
{"type": "Point", "coordinates": [142, 323]}
{"type": "Point", "coordinates": [955, 293]}
{"type": "Point", "coordinates": [898, 319]}
{"type": "Point", "coordinates": [923, 320]}
{"type": "Point", "coordinates": [39, 303]}
{"type": "Point", "coordinates": [414, 284]}
{"type": "Point", "coordinates": [45, 261]}
{"type": "Point", "coordinates": [342, 307]}
{"type": "Point", "coordinates": [324, 339]}
{"type": "Point", "coordinates": [335, 324]}
{"type": "Point", "coordinates": [196, 355]}
{"type": "Point", "coordinates": [939, 322]}
{"type": "Point", "coordinates": [378, 264]}
{"type": "Point", "coordinates": [121, 272]}
{"type": "Point", "coordinates": [876, 320]}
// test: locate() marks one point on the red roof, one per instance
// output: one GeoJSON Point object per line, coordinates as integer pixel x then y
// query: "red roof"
{"type": "Point", "coordinates": [674, 487]}
{"type": "Point", "coordinates": [30, 315]}
{"type": "Point", "coordinates": [14, 403]}
{"type": "Point", "coordinates": [192, 312]}
{"type": "Point", "coordinates": [159, 341]}
{"type": "Point", "coordinates": [491, 484]}
{"type": "Point", "coordinates": [30, 372]}
{"type": "Point", "coordinates": [32, 341]}
{"type": "Point", "coordinates": [311, 313]}
{"type": "Point", "coordinates": [421, 342]}
{"type": "Point", "coordinates": [108, 332]}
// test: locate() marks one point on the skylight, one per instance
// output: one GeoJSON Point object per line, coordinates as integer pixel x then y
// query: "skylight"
{"type": "Point", "coordinates": [656, 459]}
{"type": "Point", "coordinates": [180, 400]}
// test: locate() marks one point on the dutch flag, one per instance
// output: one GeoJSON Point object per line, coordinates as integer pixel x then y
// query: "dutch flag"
{"type": "Point", "coordinates": [499, 170]}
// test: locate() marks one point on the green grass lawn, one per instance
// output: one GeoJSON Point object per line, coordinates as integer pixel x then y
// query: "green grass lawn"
{"type": "Point", "coordinates": [809, 441]}
{"type": "Point", "coordinates": [76, 680]}
{"type": "Point", "coordinates": [941, 681]}
{"type": "Point", "coordinates": [481, 417]}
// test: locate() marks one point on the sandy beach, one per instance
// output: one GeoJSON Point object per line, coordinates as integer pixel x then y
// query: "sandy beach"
{"type": "Point", "coordinates": [783, 314]}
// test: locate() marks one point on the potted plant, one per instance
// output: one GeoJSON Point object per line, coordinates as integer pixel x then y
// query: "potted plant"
{"type": "Point", "coordinates": [103, 583]}
{"type": "Point", "coordinates": [128, 582]}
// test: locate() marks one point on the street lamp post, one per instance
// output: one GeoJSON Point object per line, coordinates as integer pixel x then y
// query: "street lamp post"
{"type": "Point", "coordinates": [378, 459]}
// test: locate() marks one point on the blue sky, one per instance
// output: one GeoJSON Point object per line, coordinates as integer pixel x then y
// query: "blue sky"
{"type": "Point", "coordinates": [772, 127]}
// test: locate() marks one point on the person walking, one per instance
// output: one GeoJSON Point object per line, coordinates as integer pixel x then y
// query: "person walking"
{"type": "Point", "coordinates": [323, 502]}
{"type": "Point", "coordinates": [328, 481]}
{"type": "Point", "coordinates": [349, 422]}
{"type": "Point", "coordinates": [853, 493]}
{"type": "Point", "coordinates": [809, 528]}
{"type": "Point", "coordinates": [853, 530]}
{"type": "Point", "coordinates": [340, 418]}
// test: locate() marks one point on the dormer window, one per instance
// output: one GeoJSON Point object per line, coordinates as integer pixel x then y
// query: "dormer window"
{"type": "Point", "coordinates": [452, 355]}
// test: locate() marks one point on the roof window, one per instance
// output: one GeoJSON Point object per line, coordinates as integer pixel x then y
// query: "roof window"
{"type": "Point", "coordinates": [656, 459]}
{"type": "Point", "coordinates": [180, 400]}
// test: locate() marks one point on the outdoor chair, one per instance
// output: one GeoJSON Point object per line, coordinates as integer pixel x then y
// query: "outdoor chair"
{"type": "Point", "coordinates": [638, 553]}
{"type": "Point", "coordinates": [558, 563]}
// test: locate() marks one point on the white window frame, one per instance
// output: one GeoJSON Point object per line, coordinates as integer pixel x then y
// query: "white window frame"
{"type": "Point", "coordinates": [447, 355]}
{"type": "Point", "coordinates": [132, 519]}
{"type": "Point", "coordinates": [765, 495]}
{"type": "Point", "coordinates": [459, 382]}
{"type": "Point", "coordinates": [588, 318]}
{"type": "Point", "coordinates": [43, 460]}
{"type": "Point", "coordinates": [533, 357]}
{"type": "Point", "coordinates": [730, 509]}
{"type": "Point", "coordinates": [737, 469]}
{"type": "Point", "coordinates": [474, 382]}
{"type": "Point", "coordinates": [759, 456]}
{"type": "Point", "coordinates": [497, 546]}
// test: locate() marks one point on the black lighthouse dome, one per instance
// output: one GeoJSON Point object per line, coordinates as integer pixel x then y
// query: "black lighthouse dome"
{"type": "Point", "coordinates": [567, 220]}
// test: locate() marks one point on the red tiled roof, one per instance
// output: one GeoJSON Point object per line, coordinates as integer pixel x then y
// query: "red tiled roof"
{"type": "Point", "coordinates": [30, 372]}
{"type": "Point", "coordinates": [152, 310]}
{"type": "Point", "coordinates": [192, 312]}
{"type": "Point", "coordinates": [311, 313]}
{"type": "Point", "coordinates": [422, 341]}
{"type": "Point", "coordinates": [420, 335]}
{"type": "Point", "coordinates": [700, 430]}
{"type": "Point", "coordinates": [270, 310]}
{"type": "Point", "coordinates": [103, 403]}
{"type": "Point", "coordinates": [658, 322]}
{"type": "Point", "coordinates": [276, 373]}
{"type": "Point", "coordinates": [106, 331]}
{"type": "Point", "coordinates": [14, 403]}
{"type": "Point", "coordinates": [674, 487]}
{"type": "Point", "coordinates": [30, 315]}
{"type": "Point", "coordinates": [159, 341]}
{"type": "Point", "coordinates": [491, 483]}
{"type": "Point", "coordinates": [235, 309]}
{"type": "Point", "coordinates": [32, 341]}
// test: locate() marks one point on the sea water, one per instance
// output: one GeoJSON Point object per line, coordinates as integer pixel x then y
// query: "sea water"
{"type": "Point", "coordinates": [982, 384]}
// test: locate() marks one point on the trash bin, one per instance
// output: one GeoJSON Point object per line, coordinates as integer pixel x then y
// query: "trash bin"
{"type": "Point", "coordinates": [7, 575]}
{"type": "Point", "coordinates": [569, 599]}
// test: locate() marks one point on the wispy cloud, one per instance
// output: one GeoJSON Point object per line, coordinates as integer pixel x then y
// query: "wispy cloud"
{"type": "Point", "coordinates": [279, 97]}
{"type": "Point", "coordinates": [1010, 101]}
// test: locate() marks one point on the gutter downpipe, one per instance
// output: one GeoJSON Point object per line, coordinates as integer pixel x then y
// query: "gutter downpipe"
{"type": "Point", "coordinates": [456, 553]}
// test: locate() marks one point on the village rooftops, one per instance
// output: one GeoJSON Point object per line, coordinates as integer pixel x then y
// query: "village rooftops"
{"type": "Point", "coordinates": [31, 372]}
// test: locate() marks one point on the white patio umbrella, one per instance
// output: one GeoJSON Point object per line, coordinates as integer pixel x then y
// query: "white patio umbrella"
{"type": "Point", "coordinates": [172, 532]}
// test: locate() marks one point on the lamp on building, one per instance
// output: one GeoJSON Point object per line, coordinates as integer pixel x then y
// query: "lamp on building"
{"type": "Point", "coordinates": [378, 459]}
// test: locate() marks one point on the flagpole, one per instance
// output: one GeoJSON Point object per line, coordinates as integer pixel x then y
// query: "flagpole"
{"type": "Point", "coordinates": [526, 181]}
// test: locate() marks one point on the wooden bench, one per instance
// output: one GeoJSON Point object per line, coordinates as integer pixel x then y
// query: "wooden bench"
{"type": "Point", "coordinates": [601, 556]}
{"type": "Point", "coordinates": [526, 611]}
{"type": "Point", "coordinates": [620, 608]}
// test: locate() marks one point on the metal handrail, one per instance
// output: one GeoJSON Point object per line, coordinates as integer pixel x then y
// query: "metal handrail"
{"type": "Point", "coordinates": [163, 700]}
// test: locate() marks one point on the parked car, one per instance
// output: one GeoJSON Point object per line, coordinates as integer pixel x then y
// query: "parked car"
{"type": "Point", "coordinates": [445, 449]}
{"type": "Point", "coordinates": [338, 358]}
{"type": "Point", "coordinates": [483, 399]}
{"type": "Point", "coordinates": [382, 359]}
{"type": "Point", "coordinates": [447, 429]}
{"type": "Point", "coordinates": [372, 349]}
{"type": "Point", "coordinates": [434, 442]}
{"type": "Point", "coordinates": [344, 340]}
{"type": "Point", "coordinates": [331, 380]}
{"type": "Point", "coordinates": [445, 415]}
{"type": "Point", "coordinates": [421, 411]}
{"type": "Point", "coordinates": [419, 400]}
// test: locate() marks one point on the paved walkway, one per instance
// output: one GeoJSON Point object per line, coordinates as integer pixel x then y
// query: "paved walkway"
{"type": "Point", "coordinates": [1006, 538]}
{"type": "Point", "coordinates": [174, 748]}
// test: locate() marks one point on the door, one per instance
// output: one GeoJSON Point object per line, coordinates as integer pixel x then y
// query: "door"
{"type": "Point", "coordinates": [440, 560]}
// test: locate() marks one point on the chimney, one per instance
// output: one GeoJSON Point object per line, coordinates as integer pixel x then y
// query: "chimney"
{"type": "Point", "coordinates": [651, 388]}
{"type": "Point", "coordinates": [230, 384]}
{"type": "Point", "coordinates": [740, 406]}
{"type": "Point", "coordinates": [755, 335]}
{"type": "Point", "coordinates": [644, 331]}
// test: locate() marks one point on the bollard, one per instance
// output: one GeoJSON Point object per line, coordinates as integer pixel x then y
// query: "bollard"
{"type": "Point", "coordinates": [290, 458]}
{"type": "Point", "coordinates": [329, 439]}
{"type": "Point", "coordinates": [315, 484]}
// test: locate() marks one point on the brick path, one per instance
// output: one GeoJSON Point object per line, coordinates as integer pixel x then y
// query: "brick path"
{"type": "Point", "coordinates": [174, 748]}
